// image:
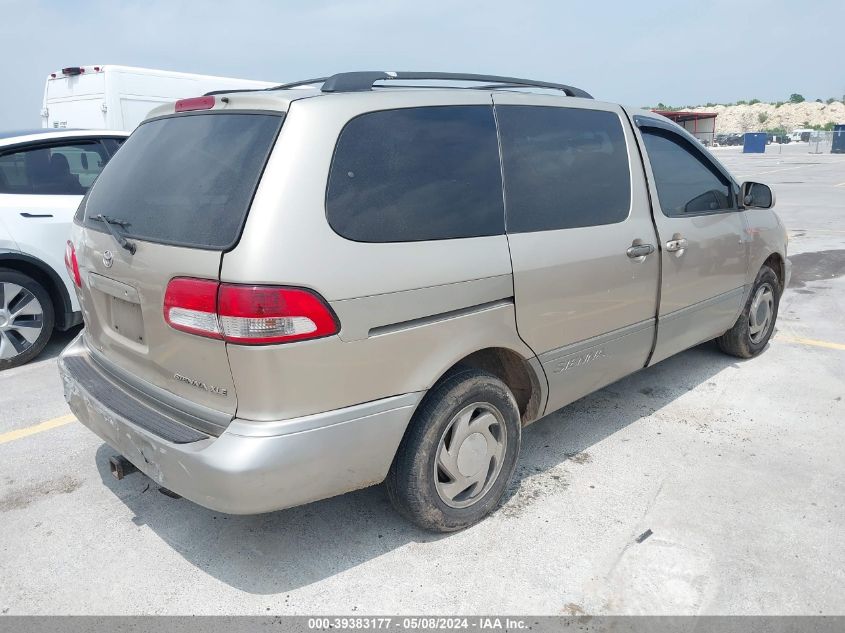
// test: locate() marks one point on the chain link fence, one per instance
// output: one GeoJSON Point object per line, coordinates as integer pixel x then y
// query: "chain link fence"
{"type": "Point", "coordinates": [820, 142]}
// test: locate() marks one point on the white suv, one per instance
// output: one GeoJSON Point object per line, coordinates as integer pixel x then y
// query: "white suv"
{"type": "Point", "coordinates": [43, 176]}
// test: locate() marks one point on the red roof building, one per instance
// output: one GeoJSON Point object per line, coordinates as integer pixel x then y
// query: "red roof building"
{"type": "Point", "coordinates": [701, 125]}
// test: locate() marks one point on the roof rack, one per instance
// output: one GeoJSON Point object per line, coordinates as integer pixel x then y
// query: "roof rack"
{"type": "Point", "coordinates": [295, 84]}
{"type": "Point", "coordinates": [362, 81]}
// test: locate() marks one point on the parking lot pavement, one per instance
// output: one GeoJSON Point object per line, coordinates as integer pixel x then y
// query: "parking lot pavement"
{"type": "Point", "coordinates": [735, 467]}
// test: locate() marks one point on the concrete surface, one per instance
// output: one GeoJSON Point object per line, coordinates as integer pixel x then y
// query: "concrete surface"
{"type": "Point", "coordinates": [737, 469]}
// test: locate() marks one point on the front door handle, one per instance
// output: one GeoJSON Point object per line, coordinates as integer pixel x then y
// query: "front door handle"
{"type": "Point", "coordinates": [639, 251]}
{"type": "Point", "coordinates": [677, 244]}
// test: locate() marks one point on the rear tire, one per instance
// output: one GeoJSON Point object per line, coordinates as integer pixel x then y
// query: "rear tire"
{"type": "Point", "coordinates": [26, 318]}
{"type": "Point", "coordinates": [754, 327]}
{"type": "Point", "coordinates": [458, 454]}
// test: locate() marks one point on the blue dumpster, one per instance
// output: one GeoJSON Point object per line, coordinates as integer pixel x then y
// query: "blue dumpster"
{"type": "Point", "coordinates": [838, 145]}
{"type": "Point", "coordinates": [754, 143]}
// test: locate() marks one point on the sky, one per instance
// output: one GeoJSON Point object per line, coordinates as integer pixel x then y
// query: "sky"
{"type": "Point", "coordinates": [636, 53]}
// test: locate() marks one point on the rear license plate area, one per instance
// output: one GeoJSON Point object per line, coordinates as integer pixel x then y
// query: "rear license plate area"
{"type": "Point", "coordinates": [126, 320]}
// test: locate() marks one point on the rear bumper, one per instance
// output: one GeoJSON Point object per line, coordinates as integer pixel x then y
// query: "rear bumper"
{"type": "Point", "coordinates": [252, 467]}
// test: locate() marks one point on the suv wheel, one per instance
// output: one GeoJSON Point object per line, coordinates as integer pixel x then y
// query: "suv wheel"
{"type": "Point", "coordinates": [754, 327]}
{"type": "Point", "coordinates": [26, 318]}
{"type": "Point", "coordinates": [458, 454]}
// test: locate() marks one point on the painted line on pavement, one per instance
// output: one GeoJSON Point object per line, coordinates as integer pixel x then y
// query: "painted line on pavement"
{"type": "Point", "coordinates": [18, 434]}
{"type": "Point", "coordinates": [810, 341]}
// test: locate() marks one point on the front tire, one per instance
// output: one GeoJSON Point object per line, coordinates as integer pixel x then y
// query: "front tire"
{"type": "Point", "coordinates": [26, 318]}
{"type": "Point", "coordinates": [754, 327]}
{"type": "Point", "coordinates": [458, 454]}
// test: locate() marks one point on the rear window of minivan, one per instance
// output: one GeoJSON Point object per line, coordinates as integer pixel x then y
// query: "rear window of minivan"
{"type": "Point", "coordinates": [186, 180]}
{"type": "Point", "coordinates": [424, 173]}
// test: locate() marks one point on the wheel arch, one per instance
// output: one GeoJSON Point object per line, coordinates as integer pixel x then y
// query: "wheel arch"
{"type": "Point", "coordinates": [47, 277]}
{"type": "Point", "coordinates": [525, 379]}
{"type": "Point", "coordinates": [776, 263]}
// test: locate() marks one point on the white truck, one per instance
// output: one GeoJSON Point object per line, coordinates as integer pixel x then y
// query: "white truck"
{"type": "Point", "coordinates": [800, 135]}
{"type": "Point", "coordinates": [119, 97]}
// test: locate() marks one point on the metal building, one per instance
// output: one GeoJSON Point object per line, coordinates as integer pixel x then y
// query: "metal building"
{"type": "Point", "coordinates": [701, 125]}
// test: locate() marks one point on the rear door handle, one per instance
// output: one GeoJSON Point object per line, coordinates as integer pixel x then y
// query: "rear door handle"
{"type": "Point", "coordinates": [639, 251]}
{"type": "Point", "coordinates": [677, 244]}
{"type": "Point", "coordinates": [36, 215]}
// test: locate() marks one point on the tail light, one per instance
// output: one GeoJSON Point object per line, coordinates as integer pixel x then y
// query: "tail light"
{"type": "Point", "coordinates": [72, 264]}
{"type": "Point", "coordinates": [247, 315]}
{"type": "Point", "coordinates": [190, 305]}
{"type": "Point", "coordinates": [256, 315]}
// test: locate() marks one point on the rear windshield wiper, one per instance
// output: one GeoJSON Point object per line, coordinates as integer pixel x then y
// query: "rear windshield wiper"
{"type": "Point", "coordinates": [110, 223]}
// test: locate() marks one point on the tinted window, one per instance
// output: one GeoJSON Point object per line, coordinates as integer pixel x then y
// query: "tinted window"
{"type": "Point", "coordinates": [112, 144]}
{"type": "Point", "coordinates": [686, 182]}
{"type": "Point", "coordinates": [58, 170]}
{"type": "Point", "coordinates": [417, 174]}
{"type": "Point", "coordinates": [563, 167]}
{"type": "Point", "coordinates": [186, 180]}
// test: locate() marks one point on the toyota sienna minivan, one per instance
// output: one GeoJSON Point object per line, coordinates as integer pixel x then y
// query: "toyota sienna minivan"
{"type": "Point", "coordinates": [289, 294]}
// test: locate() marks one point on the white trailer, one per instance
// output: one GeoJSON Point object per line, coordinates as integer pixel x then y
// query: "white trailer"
{"type": "Point", "coordinates": [801, 134]}
{"type": "Point", "coordinates": [119, 97]}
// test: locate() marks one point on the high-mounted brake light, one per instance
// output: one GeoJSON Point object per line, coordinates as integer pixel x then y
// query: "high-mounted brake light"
{"type": "Point", "coordinates": [195, 103]}
{"type": "Point", "coordinates": [247, 315]}
{"type": "Point", "coordinates": [72, 264]}
{"type": "Point", "coordinates": [73, 70]}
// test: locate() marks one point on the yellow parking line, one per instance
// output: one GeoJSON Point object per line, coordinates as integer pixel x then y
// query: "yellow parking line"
{"type": "Point", "coordinates": [36, 428]}
{"type": "Point", "coordinates": [810, 341]}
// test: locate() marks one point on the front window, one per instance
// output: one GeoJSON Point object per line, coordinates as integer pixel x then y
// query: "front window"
{"type": "Point", "coordinates": [687, 183]}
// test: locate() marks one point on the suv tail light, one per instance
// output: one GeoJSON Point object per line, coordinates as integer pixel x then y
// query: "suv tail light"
{"type": "Point", "coordinates": [247, 315]}
{"type": "Point", "coordinates": [190, 305]}
{"type": "Point", "coordinates": [72, 264]}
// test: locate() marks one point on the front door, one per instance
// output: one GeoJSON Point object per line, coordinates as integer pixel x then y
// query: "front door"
{"type": "Point", "coordinates": [702, 236]}
{"type": "Point", "coordinates": [581, 239]}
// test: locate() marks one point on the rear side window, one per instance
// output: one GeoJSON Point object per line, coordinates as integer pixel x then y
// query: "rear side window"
{"type": "Point", "coordinates": [564, 168]}
{"type": "Point", "coordinates": [58, 170]}
{"type": "Point", "coordinates": [687, 183]}
{"type": "Point", "coordinates": [429, 173]}
{"type": "Point", "coordinates": [186, 180]}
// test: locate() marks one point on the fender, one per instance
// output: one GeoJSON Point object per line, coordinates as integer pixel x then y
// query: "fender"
{"type": "Point", "coordinates": [66, 318]}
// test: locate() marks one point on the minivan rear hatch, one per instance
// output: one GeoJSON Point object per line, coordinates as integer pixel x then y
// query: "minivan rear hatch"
{"type": "Point", "coordinates": [179, 191]}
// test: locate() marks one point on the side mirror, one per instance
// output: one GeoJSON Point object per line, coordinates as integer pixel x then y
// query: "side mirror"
{"type": "Point", "coordinates": [756, 195]}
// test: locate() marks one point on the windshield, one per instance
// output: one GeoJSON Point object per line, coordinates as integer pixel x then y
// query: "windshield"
{"type": "Point", "coordinates": [185, 180]}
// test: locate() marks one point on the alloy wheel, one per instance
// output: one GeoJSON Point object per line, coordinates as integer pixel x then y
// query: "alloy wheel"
{"type": "Point", "coordinates": [21, 320]}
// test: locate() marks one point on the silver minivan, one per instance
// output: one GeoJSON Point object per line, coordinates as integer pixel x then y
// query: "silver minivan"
{"type": "Point", "coordinates": [293, 293]}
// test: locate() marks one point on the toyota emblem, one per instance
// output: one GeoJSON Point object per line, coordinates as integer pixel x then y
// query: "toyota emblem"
{"type": "Point", "coordinates": [108, 259]}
